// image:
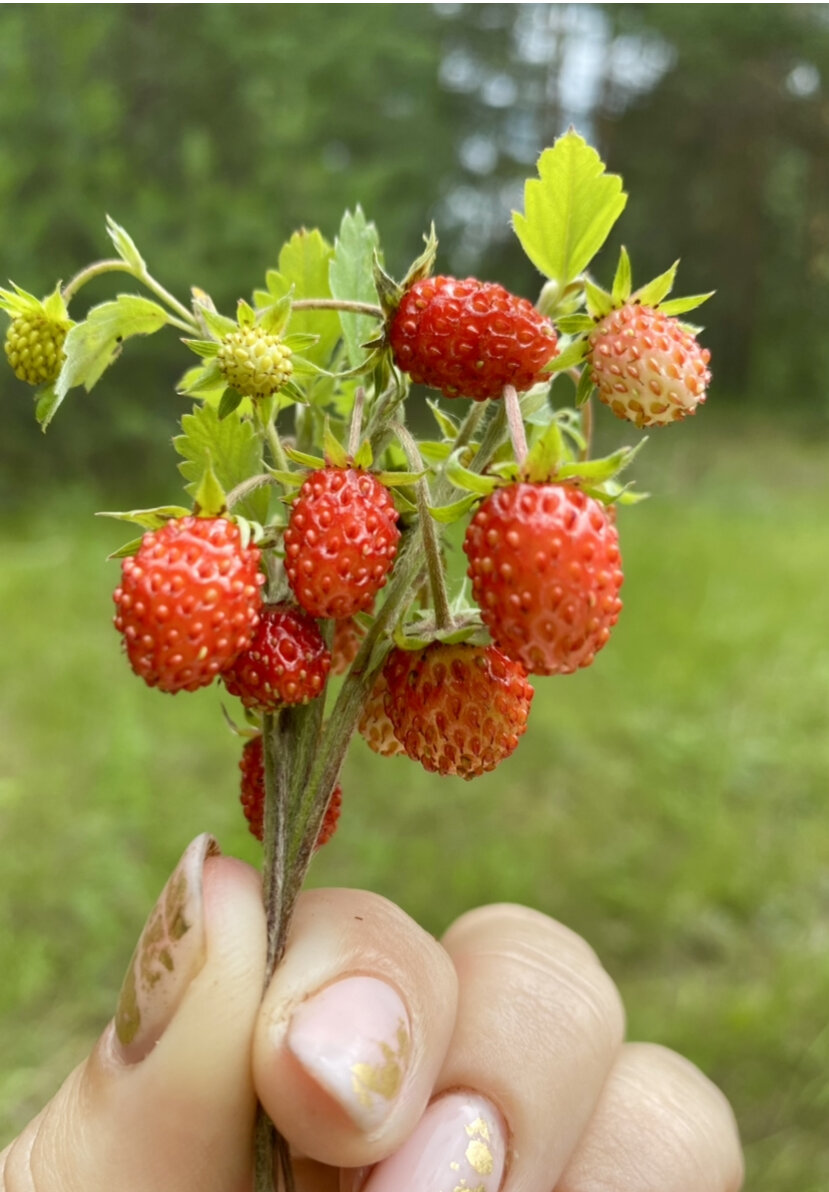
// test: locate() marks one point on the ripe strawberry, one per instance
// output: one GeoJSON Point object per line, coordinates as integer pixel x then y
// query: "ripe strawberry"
{"type": "Point", "coordinates": [375, 727]}
{"type": "Point", "coordinates": [287, 661]}
{"type": "Point", "coordinates": [646, 368]}
{"type": "Point", "coordinates": [470, 338]}
{"type": "Point", "coordinates": [188, 602]}
{"type": "Point", "coordinates": [546, 570]}
{"type": "Point", "coordinates": [348, 637]}
{"type": "Point", "coordinates": [340, 542]}
{"type": "Point", "coordinates": [457, 709]}
{"type": "Point", "coordinates": [253, 362]}
{"type": "Point", "coordinates": [34, 348]}
{"type": "Point", "coordinates": [252, 794]}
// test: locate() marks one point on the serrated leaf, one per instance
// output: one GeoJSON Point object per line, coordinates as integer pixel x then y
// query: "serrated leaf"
{"type": "Point", "coordinates": [678, 306]}
{"type": "Point", "coordinates": [351, 277]}
{"type": "Point", "coordinates": [231, 446]}
{"type": "Point", "coordinates": [125, 246]}
{"type": "Point", "coordinates": [150, 519]}
{"type": "Point", "coordinates": [46, 403]}
{"type": "Point", "coordinates": [574, 324]}
{"type": "Point", "coordinates": [599, 302]}
{"type": "Point", "coordinates": [653, 293]}
{"type": "Point", "coordinates": [91, 346]}
{"type": "Point", "coordinates": [447, 425]}
{"type": "Point", "coordinates": [447, 514]}
{"type": "Point", "coordinates": [466, 479]}
{"type": "Point", "coordinates": [303, 264]}
{"type": "Point", "coordinates": [623, 281]}
{"type": "Point", "coordinates": [229, 402]}
{"type": "Point", "coordinates": [569, 209]}
{"type": "Point", "coordinates": [585, 387]}
{"type": "Point", "coordinates": [572, 355]}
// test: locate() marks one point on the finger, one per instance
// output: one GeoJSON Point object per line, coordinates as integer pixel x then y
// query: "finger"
{"type": "Point", "coordinates": [660, 1126]}
{"type": "Point", "coordinates": [166, 1099]}
{"type": "Point", "coordinates": [539, 1025]}
{"type": "Point", "coordinates": [354, 1027]}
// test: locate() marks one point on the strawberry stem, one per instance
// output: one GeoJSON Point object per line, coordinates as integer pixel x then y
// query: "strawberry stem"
{"type": "Point", "coordinates": [431, 546]}
{"type": "Point", "coordinates": [516, 423]}
{"type": "Point", "coordinates": [587, 428]}
{"type": "Point", "coordinates": [356, 308]}
{"type": "Point", "coordinates": [96, 269]}
{"type": "Point", "coordinates": [356, 425]}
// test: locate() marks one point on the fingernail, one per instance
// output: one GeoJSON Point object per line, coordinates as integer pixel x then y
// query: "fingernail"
{"type": "Point", "coordinates": [168, 955]}
{"type": "Point", "coordinates": [353, 1038]}
{"type": "Point", "coordinates": [459, 1145]}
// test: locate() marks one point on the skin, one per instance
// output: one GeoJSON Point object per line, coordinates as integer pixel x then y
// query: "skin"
{"type": "Point", "coordinates": [509, 1005]}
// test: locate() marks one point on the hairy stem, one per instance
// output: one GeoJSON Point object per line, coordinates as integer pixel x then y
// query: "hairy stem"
{"type": "Point", "coordinates": [516, 424]}
{"type": "Point", "coordinates": [356, 425]}
{"type": "Point", "coordinates": [96, 269]}
{"type": "Point", "coordinates": [356, 308]}
{"type": "Point", "coordinates": [431, 546]}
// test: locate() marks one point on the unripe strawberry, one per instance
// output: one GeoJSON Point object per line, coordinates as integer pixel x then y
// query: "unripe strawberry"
{"type": "Point", "coordinates": [470, 338]}
{"type": "Point", "coordinates": [34, 348]}
{"type": "Point", "coordinates": [287, 661]}
{"type": "Point", "coordinates": [254, 362]}
{"type": "Point", "coordinates": [252, 794]}
{"type": "Point", "coordinates": [348, 637]}
{"type": "Point", "coordinates": [375, 727]}
{"type": "Point", "coordinates": [646, 367]}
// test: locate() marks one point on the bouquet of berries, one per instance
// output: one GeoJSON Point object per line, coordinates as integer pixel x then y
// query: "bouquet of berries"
{"type": "Point", "coordinates": [314, 543]}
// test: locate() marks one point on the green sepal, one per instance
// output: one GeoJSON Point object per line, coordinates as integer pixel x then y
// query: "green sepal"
{"type": "Point", "coordinates": [447, 425]}
{"type": "Point", "coordinates": [365, 456]}
{"type": "Point", "coordinates": [245, 314]}
{"type": "Point", "coordinates": [535, 405]}
{"type": "Point", "coordinates": [287, 479]}
{"type": "Point", "coordinates": [128, 549]}
{"type": "Point", "coordinates": [249, 530]}
{"type": "Point", "coordinates": [393, 479]}
{"type": "Point", "coordinates": [545, 456]}
{"type": "Point", "coordinates": [653, 293]}
{"type": "Point", "coordinates": [599, 302]}
{"type": "Point", "coordinates": [585, 387]}
{"type": "Point", "coordinates": [19, 302]}
{"type": "Point", "coordinates": [351, 277]}
{"type": "Point", "coordinates": [303, 367]}
{"type": "Point", "coordinates": [54, 307]}
{"type": "Point", "coordinates": [388, 290]}
{"type": "Point", "coordinates": [570, 424]}
{"type": "Point", "coordinates": [218, 325]}
{"type": "Point", "coordinates": [679, 306]}
{"type": "Point", "coordinates": [209, 499]}
{"type": "Point", "coordinates": [402, 503]}
{"type": "Point", "coordinates": [569, 209]}
{"type": "Point", "coordinates": [447, 514]}
{"type": "Point", "coordinates": [206, 348]}
{"type": "Point", "coordinates": [434, 452]}
{"type": "Point", "coordinates": [301, 457]}
{"type": "Point", "coordinates": [465, 479]}
{"type": "Point", "coordinates": [149, 519]}
{"type": "Point", "coordinates": [597, 471]}
{"type": "Point", "coordinates": [125, 246]}
{"type": "Point", "coordinates": [623, 281]}
{"type": "Point", "coordinates": [298, 341]}
{"type": "Point", "coordinates": [293, 392]}
{"type": "Point", "coordinates": [572, 355]}
{"type": "Point", "coordinates": [46, 403]}
{"type": "Point", "coordinates": [575, 324]}
{"type": "Point", "coordinates": [202, 381]}
{"type": "Point", "coordinates": [423, 264]}
{"type": "Point", "coordinates": [229, 402]}
{"type": "Point", "coordinates": [422, 630]}
{"type": "Point", "coordinates": [336, 455]}
{"type": "Point", "coordinates": [273, 316]}
{"type": "Point", "coordinates": [611, 493]}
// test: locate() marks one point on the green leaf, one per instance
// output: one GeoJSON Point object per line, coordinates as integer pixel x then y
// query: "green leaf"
{"type": "Point", "coordinates": [150, 519]}
{"type": "Point", "coordinates": [351, 278]}
{"type": "Point", "coordinates": [91, 346]}
{"type": "Point", "coordinates": [623, 281]}
{"type": "Point", "coordinates": [229, 402]}
{"type": "Point", "coordinates": [303, 264]}
{"type": "Point", "coordinates": [233, 449]}
{"type": "Point", "coordinates": [125, 246]}
{"type": "Point", "coordinates": [572, 355]}
{"type": "Point", "coordinates": [653, 293]}
{"type": "Point", "coordinates": [569, 209]}
{"type": "Point", "coordinates": [434, 452]}
{"type": "Point", "coordinates": [678, 306]}
{"type": "Point", "coordinates": [46, 403]}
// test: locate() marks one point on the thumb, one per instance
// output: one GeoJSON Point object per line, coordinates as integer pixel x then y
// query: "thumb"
{"type": "Point", "coordinates": [165, 1099]}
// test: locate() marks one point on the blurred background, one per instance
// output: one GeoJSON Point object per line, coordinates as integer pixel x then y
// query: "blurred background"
{"type": "Point", "coordinates": [670, 803]}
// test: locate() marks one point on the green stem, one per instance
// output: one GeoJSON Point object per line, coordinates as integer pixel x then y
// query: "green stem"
{"type": "Point", "coordinates": [587, 428]}
{"type": "Point", "coordinates": [182, 319]}
{"type": "Point", "coordinates": [96, 269]}
{"type": "Point", "coordinates": [431, 546]}
{"type": "Point", "coordinates": [357, 308]}
{"type": "Point", "coordinates": [181, 310]}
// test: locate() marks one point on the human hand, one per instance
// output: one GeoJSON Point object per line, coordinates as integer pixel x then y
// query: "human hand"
{"type": "Point", "coordinates": [391, 1062]}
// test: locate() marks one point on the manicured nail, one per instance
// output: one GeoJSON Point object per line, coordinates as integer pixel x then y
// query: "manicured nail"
{"type": "Point", "coordinates": [168, 955]}
{"type": "Point", "coordinates": [353, 1038]}
{"type": "Point", "coordinates": [459, 1145]}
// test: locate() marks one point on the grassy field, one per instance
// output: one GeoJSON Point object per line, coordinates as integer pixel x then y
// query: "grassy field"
{"type": "Point", "coordinates": [670, 803]}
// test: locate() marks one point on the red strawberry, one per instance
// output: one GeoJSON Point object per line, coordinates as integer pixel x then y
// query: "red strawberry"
{"type": "Point", "coordinates": [375, 727]}
{"type": "Point", "coordinates": [287, 661]}
{"type": "Point", "coordinates": [189, 602]}
{"type": "Point", "coordinates": [470, 338]}
{"type": "Point", "coordinates": [457, 709]}
{"type": "Point", "coordinates": [252, 794]}
{"type": "Point", "coordinates": [348, 637]}
{"type": "Point", "coordinates": [546, 571]}
{"type": "Point", "coordinates": [340, 542]}
{"type": "Point", "coordinates": [646, 368]}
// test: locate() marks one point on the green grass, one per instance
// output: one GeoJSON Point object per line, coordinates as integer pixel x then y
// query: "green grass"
{"type": "Point", "coordinates": [670, 803]}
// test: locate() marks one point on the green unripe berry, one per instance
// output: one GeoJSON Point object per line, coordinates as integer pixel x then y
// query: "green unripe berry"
{"type": "Point", "coordinates": [34, 348]}
{"type": "Point", "coordinates": [253, 362]}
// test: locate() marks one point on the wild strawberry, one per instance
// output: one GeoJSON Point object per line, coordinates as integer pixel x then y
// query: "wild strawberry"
{"type": "Point", "coordinates": [287, 661]}
{"type": "Point", "coordinates": [34, 348]}
{"type": "Point", "coordinates": [340, 542]}
{"type": "Point", "coordinates": [188, 602]}
{"type": "Point", "coordinates": [375, 727]}
{"type": "Point", "coordinates": [645, 367]}
{"type": "Point", "coordinates": [470, 338]}
{"type": "Point", "coordinates": [348, 637]}
{"type": "Point", "coordinates": [254, 362]}
{"type": "Point", "coordinates": [457, 709]}
{"type": "Point", "coordinates": [546, 571]}
{"type": "Point", "coordinates": [252, 794]}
